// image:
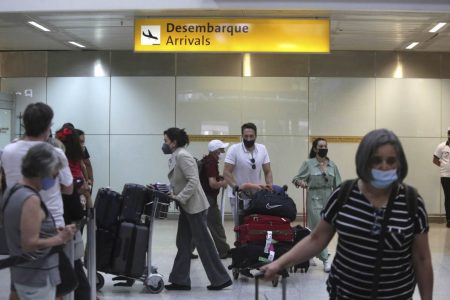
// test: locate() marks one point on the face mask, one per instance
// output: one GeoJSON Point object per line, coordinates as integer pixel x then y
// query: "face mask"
{"type": "Point", "coordinates": [221, 156]}
{"type": "Point", "coordinates": [47, 183]}
{"type": "Point", "coordinates": [248, 143]}
{"type": "Point", "coordinates": [322, 152]}
{"type": "Point", "coordinates": [383, 179]}
{"type": "Point", "coordinates": [166, 149]}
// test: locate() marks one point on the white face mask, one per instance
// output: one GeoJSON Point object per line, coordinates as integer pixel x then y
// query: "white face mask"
{"type": "Point", "coordinates": [221, 156]}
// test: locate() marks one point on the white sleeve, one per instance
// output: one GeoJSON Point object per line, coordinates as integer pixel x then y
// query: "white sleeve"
{"type": "Point", "coordinates": [65, 175]}
{"type": "Point", "coordinates": [438, 151]}
{"type": "Point", "coordinates": [230, 158]}
{"type": "Point", "coordinates": [266, 156]}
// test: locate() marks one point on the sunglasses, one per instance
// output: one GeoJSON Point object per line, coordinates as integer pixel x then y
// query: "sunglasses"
{"type": "Point", "coordinates": [376, 226]}
{"type": "Point", "coordinates": [252, 160]}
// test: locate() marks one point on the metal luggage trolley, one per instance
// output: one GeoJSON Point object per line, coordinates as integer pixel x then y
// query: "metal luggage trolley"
{"type": "Point", "coordinates": [153, 281]}
{"type": "Point", "coordinates": [242, 201]}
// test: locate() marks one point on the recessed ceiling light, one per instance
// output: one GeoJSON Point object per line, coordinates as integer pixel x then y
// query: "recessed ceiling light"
{"type": "Point", "coordinates": [437, 27]}
{"type": "Point", "coordinates": [412, 45]}
{"type": "Point", "coordinates": [38, 26]}
{"type": "Point", "coordinates": [77, 44]}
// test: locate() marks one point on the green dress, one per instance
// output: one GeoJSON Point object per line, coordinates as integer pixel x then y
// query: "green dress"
{"type": "Point", "coordinates": [320, 187]}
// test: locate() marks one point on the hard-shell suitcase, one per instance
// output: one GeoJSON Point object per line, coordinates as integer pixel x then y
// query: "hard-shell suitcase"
{"type": "Point", "coordinates": [135, 198]}
{"type": "Point", "coordinates": [256, 226]}
{"type": "Point", "coordinates": [105, 239]}
{"type": "Point", "coordinates": [108, 205]}
{"type": "Point", "coordinates": [130, 250]}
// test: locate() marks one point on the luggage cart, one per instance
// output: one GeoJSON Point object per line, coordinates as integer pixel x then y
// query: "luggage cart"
{"type": "Point", "coordinates": [242, 200]}
{"type": "Point", "coordinates": [153, 281]}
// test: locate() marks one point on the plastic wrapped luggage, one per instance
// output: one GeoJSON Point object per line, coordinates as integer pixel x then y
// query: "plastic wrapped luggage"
{"type": "Point", "coordinates": [108, 206]}
{"type": "Point", "coordinates": [130, 250]}
{"type": "Point", "coordinates": [256, 226]}
{"type": "Point", "coordinates": [135, 198]}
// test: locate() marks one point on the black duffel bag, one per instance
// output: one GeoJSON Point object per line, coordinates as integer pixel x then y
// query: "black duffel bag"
{"type": "Point", "coordinates": [273, 204]}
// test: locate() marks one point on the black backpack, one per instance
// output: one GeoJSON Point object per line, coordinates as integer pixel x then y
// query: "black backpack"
{"type": "Point", "coordinates": [410, 194]}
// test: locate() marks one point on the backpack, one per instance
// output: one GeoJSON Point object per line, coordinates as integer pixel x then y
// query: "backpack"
{"type": "Point", "coordinates": [200, 165]}
{"type": "Point", "coordinates": [410, 194]}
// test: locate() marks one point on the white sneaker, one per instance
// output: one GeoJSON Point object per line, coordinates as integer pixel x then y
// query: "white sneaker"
{"type": "Point", "coordinates": [312, 262]}
{"type": "Point", "coordinates": [327, 265]}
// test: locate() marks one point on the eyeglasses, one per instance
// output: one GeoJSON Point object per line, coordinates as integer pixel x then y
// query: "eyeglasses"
{"type": "Point", "coordinates": [376, 226]}
{"type": "Point", "coordinates": [325, 176]}
{"type": "Point", "coordinates": [377, 160]}
{"type": "Point", "coordinates": [252, 160]}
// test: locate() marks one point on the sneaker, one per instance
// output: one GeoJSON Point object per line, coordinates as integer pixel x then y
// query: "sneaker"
{"type": "Point", "coordinates": [312, 262]}
{"type": "Point", "coordinates": [327, 265]}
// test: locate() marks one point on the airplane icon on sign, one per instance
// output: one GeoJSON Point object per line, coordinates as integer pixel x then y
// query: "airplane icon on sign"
{"type": "Point", "coordinates": [149, 35]}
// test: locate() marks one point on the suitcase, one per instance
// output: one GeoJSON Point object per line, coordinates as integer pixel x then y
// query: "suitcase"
{"type": "Point", "coordinates": [253, 255]}
{"type": "Point", "coordinates": [256, 226]}
{"type": "Point", "coordinates": [135, 198]}
{"type": "Point", "coordinates": [108, 205]}
{"type": "Point", "coordinates": [130, 250]}
{"type": "Point", "coordinates": [299, 234]}
{"type": "Point", "coordinates": [105, 239]}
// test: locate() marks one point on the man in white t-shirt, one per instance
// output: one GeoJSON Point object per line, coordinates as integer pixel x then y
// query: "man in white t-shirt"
{"type": "Point", "coordinates": [244, 163]}
{"type": "Point", "coordinates": [441, 158]}
{"type": "Point", "coordinates": [37, 119]}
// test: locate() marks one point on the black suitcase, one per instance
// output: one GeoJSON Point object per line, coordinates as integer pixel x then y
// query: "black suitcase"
{"type": "Point", "coordinates": [105, 240]}
{"type": "Point", "coordinates": [130, 250]}
{"type": "Point", "coordinates": [135, 198]}
{"type": "Point", "coordinates": [108, 205]}
{"type": "Point", "coordinates": [252, 254]}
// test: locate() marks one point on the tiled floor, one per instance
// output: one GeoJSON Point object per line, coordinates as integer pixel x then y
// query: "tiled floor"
{"type": "Point", "coordinates": [300, 286]}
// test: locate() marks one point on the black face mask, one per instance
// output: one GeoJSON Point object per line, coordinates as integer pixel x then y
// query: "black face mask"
{"type": "Point", "coordinates": [322, 152]}
{"type": "Point", "coordinates": [248, 143]}
{"type": "Point", "coordinates": [166, 149]}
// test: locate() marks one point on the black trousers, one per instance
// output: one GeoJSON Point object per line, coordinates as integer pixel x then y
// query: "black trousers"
{"type": "Point", "coordinates": [445, 181]}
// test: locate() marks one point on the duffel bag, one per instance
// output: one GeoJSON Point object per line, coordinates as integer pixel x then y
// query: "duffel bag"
{"type": "Point", "coordinates": [274, 204]}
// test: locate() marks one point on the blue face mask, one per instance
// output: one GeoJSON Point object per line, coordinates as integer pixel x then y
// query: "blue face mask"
{"type": "Point", "coordinates": [383, 179]}
{"type": "Point", "coordinates": [47, 183]}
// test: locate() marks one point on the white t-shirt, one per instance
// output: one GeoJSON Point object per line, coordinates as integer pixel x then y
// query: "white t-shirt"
{"type": "Point", "coordinates": [443, 153]}
{"type": "Point", "coordinates": [240, 157]}
{"type": "Point", "coordinates": [11, 159]}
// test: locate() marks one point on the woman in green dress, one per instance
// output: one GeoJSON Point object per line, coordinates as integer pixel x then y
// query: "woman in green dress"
{"type": "Point", "coordinates": [320, 176]}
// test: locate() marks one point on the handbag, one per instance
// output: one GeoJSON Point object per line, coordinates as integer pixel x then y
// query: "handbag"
{"type": "Point", "coordinates": [69, 280]}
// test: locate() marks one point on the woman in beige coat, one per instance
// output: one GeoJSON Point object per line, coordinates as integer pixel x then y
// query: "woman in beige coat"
{"type": "Point", "coordinates": [192, 226]}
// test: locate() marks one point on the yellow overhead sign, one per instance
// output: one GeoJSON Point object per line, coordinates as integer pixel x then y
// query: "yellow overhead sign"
{"type": "Point", "coordinates": [232, 35]}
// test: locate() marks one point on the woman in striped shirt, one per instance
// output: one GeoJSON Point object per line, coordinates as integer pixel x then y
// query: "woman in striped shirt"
{"type": "Point", "coordinates": [382, 249]}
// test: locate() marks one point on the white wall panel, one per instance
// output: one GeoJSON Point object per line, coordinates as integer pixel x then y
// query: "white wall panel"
{"type": "Point", "coordinates": [142, 105]}
{"type": "Point", "coordinates": [137, 159]}
{"type": "Point", "coordinates": [409, 107]}
{"type": "Point", "coordinates": [445, 111]}
{"type": "Point", "coordinates": [82, 101]}
{"type": "Point", "coordinates": [98, 147]}
{"type": "Point", "coordinates": [341, 106]}
{"type": "Point", "coordinates": [209, 104]}
{"type": "Point", "coordinates": [34, 85]}
{"type": "Point", "coordinates": [278, 106]}
{"type": "Point", "coordinates": [422, 173]}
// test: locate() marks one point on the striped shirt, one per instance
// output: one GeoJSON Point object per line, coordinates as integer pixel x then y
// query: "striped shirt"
{"type": "Point", "coordinates": [352, 271]}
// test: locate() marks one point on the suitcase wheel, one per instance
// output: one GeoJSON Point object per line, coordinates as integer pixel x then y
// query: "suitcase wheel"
{"type": "Point", "coordinates": [155, 286]}
{"type": "Point", "coordinates": [100, 281]}
{"type": "Point", "coordinates": [235, 273]}
{"type": "Point", "coordinates": [275, 282]}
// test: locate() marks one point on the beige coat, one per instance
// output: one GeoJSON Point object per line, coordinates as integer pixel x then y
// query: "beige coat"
{"type": "Point", "coordinates": [183, 177]}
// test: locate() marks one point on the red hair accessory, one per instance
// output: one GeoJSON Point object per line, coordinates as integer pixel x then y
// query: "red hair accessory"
{"type": "Point", "coordinates": [61, 135]}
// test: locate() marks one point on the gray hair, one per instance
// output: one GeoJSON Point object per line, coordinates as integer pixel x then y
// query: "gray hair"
{"type": "Point", "coordinates": [369, 144]}
{"type": "Point", "coordinates": [41, 160]}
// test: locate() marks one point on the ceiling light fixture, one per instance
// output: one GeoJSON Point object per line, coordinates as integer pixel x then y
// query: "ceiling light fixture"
{"type": "Point", "coordinates": [38, 26]}
{"type": "Point", "coordinates": [77, 44]}
{"type": "Point", "coordinates": [437, 27]}
{"type": "Point", "coordinates": [412, 45]}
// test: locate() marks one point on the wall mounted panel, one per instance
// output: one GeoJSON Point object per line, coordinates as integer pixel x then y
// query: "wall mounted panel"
{"type": "Point", "coordinates": [408, 65]}
{"type": "Point", "coordinates": [341, 106]}
{"type": "Point", "coordinates": [278, 65]}
{"type": "Point", "coordinates": [343, 64]}
{"type": "Point", "coordinates": [409, 107]}
{"type": "Point", "coordinates": [23, 64]}
{"type": "Point", "coordinates": [197, 64]}
{"type": "Point", "coordinates": [78, 63]}
{"type": "Point", "coordinates": [82, 101]}
{"type": "Point", "coordinates": [127, 63]}
{"type": "Point", "coordinates": [277, 105]}
{"type": "Point", "coordinates": [142, 105]}
{"type": "Point", "coordinates": [209, 105]}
